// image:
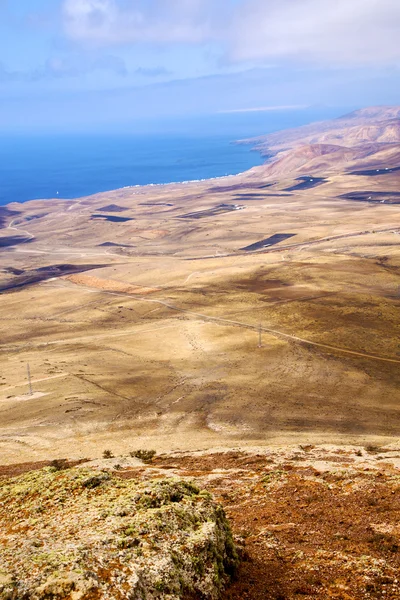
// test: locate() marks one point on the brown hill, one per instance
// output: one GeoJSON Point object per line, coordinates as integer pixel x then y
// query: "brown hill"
{"type": "Point", "coordinates": [386, 132]}
{"type": "Point", "coordinates": [367, 136]}
{"type": "Point", "coordinates": [373, 112]}
{"type": "Point", "coordinates": [309, 158]}
{"type": "Point", "coordinates": [376, 124]}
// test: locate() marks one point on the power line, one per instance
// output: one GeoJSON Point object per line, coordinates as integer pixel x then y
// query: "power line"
{"type": "Point", "coordinates": [29, 379]}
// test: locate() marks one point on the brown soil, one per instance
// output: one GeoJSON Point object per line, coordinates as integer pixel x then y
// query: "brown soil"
{"type": "Point", "coordinates": [109, 285]}
{"type": "Point", "coordinates": [310, 522]}
{"type": "Point", "coordinates": [21, 468]}
{"type": "Point", "coordinates": [307, 533]}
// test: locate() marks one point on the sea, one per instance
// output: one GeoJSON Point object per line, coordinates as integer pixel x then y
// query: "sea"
{"type": "Point", "coordinates": [71, 164]}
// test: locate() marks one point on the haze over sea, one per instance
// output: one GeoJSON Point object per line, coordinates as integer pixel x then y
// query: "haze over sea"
{"type": "Point", "coordinates": [70, 165]}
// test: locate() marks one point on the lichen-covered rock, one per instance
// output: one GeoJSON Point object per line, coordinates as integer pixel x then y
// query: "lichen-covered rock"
{"type": "Point", "coordinates": [83, 535]}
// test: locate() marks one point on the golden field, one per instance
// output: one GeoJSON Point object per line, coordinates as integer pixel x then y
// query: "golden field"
{"type": "Point", "coordinates": [143, 330]}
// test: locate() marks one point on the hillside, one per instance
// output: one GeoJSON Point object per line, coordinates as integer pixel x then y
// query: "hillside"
{"type": "Point", "coordinates": [365, 123]}
{"type": "Point", "coordinates": [247, 329]}
{"type": "Point", "coordinates": [146, 331]}
{"type": "Point", "coordinates": [308, 522]}
{"type": "Point", "coordinates": [349, 139]}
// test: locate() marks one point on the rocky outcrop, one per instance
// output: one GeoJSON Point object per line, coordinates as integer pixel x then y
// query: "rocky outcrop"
{"type": "Point", "coordinates": [83, 534]}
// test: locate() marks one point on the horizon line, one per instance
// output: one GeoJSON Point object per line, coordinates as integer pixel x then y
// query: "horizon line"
{"type": "Point", "coordinates": [264, 108]}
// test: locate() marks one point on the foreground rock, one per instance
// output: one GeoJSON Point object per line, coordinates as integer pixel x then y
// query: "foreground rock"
{"type": "Point", "coordinates": [83, 534]}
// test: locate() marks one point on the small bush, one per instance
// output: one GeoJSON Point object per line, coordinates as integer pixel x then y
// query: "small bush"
{"type": "Point", "coordinates": [59, 464]}
{"type": "Point", "coordinates": [371, 449]}
{"type": "Point", "coordinates": [372, 501]}
{"type": "Point", "coordinates": [144, 455]}
{"type": "Point", "coordinates": [93, 481]}
{"type": "Point", "coordinates": [108, 454]}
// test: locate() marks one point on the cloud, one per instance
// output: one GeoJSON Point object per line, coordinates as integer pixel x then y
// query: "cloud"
{"type": "Point", "coordinates": [130, 21]}
{"type": "Point", "coordinates": [75, 66]}
{"type": "Point", "coordinates": [257, 109]}
{"type": "Point", "coordinates": [152, 72]}
{"type": "Point", "coordinates": [319, 31]}
{"type": "Point", "coordinates": [6, 75]}
{"type": "Point", "coordinates": [64, 67]}
{"type": "Point", "coordinates": [329, 32]}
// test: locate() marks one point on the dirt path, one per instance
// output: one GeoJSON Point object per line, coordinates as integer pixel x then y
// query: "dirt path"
{"type": "Point", "coordinates": [191, 275]}
{"type": "Point", "coordinates": [274, 332]}
{"type": "Point", "coordinates": [207, 318]}
{"type": "Point", "coordinates": [21, 384]}
{"type": "Point", "coordinates": [10, 226]}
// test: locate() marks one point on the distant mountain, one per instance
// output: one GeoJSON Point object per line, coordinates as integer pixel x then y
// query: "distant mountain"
{"type": "Point", "coordinates": [373, 112]}
{"type": "Point", "coordinates": [370, 136]}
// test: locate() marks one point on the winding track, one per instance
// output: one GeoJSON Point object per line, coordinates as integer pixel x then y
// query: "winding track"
{"type": "Point", "coordinates": [10, 226]}
{"type": "Point", "coordinates": [206, 318]}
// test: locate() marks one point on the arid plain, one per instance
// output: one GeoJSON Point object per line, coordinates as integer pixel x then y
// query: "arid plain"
{"type": "Point", "coordinates": [140, 311]}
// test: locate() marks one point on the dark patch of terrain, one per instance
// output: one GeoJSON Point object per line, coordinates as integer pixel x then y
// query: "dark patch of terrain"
{"type": "Point", "coordinates": [260, 196]}
{"type": "Point", "coordinates": [12, 271]}
{"type": "Point", "coordinates": [114, 245]}
{"type": "Point", "coordinates": [13, 240]}
{"type": "Point", "coordinates": [113, 208]}
{"type": "Point", "coordinates": [155, 204]}
{"type": "Point", "coordinates": [5, 213]}
{"type": "Point", "coordinates": [239, 186]}
{"type": "Point", "coordinates": [21, 468]}
{"type": "Point", "coordinates": [373, 197]}
{"type": "Point", "coordinates": [33, 217]}
{"type": "Point", "coordinates": [271, 241]}
{"type": "Point", "coordinates": [44, 273]}
{"type": "Point", "coordinates": [112, 218]}
{"type": "Point", "coordinates": [260, 284]}
{"type": "Point", "coordinates": [306, 183]}
{"type": "Point", "coordinates": [211, 212]}
{"type": "Point", "coordinates": [375, 172]}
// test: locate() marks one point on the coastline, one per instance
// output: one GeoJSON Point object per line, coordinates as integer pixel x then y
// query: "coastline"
{"type": "Point", "coordinates": [128, 187]}
{"type": "Point", "coordinates": [151, 326]}
{"type": "Point", "coordinates": [174, 182]}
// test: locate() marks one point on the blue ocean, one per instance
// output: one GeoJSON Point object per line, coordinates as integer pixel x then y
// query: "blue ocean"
{"type": "Point", "coordinates": [70, 165]}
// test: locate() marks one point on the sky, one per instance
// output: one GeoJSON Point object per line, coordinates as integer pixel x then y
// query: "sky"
{"type": "Point", "coordinates": [81, 64]}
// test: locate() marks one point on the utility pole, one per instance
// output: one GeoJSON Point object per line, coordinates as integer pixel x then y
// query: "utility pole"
{"type": "Point", "coordinates": [29, 379]}
{"type": "Point", "coordinates": [260, 336]}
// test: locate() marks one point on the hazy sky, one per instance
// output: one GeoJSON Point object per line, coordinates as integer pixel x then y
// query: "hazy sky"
{"type": "Point", "coordinates": [76, 63]}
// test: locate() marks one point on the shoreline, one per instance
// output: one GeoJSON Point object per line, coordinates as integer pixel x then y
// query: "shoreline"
{"type": "Point", "coordinates": [126, 187]}
{"type": "Point", "coordinates": [144, 185]}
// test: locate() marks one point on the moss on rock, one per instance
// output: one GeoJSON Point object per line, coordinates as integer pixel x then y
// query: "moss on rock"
{"type": "Point", "coordinates": [81, 534]}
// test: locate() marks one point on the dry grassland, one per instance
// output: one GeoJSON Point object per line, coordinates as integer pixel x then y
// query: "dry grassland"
{"type": "Point", "coordinates": [156, 340]}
